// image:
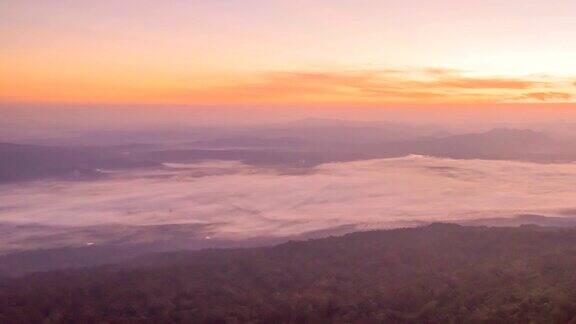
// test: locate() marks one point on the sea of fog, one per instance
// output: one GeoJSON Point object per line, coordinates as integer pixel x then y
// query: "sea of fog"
{"type": "Point", "coordinates": [242, 201]}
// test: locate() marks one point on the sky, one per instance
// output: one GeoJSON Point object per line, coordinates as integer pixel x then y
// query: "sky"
{"type": "Point", "coordinates": [289, 53]}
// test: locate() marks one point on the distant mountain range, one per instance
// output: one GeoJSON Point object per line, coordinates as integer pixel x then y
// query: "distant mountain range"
{"type": "Point", "coordinates": [296, 150]}
{"type": "Point", "coordinates": [304, 144]}
{"type": "Point", "coordinates": [510, 144]}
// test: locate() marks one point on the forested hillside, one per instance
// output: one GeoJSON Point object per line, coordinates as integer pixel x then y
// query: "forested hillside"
{"type": "Point", "coordinates": [435, 274]}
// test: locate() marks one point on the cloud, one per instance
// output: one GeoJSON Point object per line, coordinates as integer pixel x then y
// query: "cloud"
{"type": "Point", "coordinates": [428, 85]}
{"type": "Point", "coordinates": [489, 83]}
{"type": "Point", "coordinates": [441, 71]}
{"type": "Point", "coordinates": [241, 201]}
{"type": "Point", "coordinates": [547, 96]}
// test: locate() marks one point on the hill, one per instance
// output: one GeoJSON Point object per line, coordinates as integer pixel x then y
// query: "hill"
{"type": "Point", "coordinates": [31, 162]}
{"type": "Point", "coordinates": [440, 273]}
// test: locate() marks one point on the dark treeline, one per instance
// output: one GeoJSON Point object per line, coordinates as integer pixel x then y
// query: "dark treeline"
{"type": "Point", "coordinates": [435, 274]}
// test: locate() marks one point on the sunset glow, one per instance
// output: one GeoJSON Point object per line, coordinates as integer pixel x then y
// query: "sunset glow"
{"type": "Point", "coordinates": [287, 161]}
{"type": "Point", "coordinates": [255, 52]}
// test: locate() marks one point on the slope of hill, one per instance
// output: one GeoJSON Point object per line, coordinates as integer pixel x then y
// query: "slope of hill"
{"type": "Point", "coordinates": [499, 143]}
{"type": "Point", "coordinates": [30, 162]}
{"type": "Point", "coordinates": [435, 274]}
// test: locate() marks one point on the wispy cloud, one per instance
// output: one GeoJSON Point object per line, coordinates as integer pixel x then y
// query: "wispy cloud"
{"type": "Point", "coordinates": [422, 85]}
{"type": "Point", "coordinates": [548, 96]}
{"type": "Point", "coordinates": [489, 83]}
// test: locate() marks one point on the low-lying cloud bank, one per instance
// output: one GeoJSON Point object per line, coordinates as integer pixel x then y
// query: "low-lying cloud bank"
{"type": "Point", "coordinates": [239, 201]}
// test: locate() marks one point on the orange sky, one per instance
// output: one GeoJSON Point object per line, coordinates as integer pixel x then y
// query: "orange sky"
{"type": "Point", "coordinates": [257, 52]}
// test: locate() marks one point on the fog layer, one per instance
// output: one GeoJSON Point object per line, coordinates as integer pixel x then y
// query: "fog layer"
{"type": "Point", "coordinates": [241, 201]}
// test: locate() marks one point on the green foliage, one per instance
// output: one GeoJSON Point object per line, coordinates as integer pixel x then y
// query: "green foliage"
{"type": "Point", "coordinates": [435, 274]}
